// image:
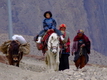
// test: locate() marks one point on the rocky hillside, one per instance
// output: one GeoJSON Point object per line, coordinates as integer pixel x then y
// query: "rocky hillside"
{"type": "Point", "coordinates": [89, 15]}
{"type": "Point", "coordinates": [33, 69]}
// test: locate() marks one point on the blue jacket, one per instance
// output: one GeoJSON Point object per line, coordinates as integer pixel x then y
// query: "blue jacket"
{"type": "Point", "coordinates": [49, 24]}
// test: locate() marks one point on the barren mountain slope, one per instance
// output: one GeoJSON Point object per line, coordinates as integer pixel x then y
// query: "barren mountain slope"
{"type": "Point", "coordinates": [89, 15]}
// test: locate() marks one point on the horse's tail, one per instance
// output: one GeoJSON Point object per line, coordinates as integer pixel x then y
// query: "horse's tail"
{"type": "Point", "coordinates": [14, 47]}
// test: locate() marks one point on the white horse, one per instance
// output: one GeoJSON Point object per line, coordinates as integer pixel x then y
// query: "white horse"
{"type": "Point", "coordinates": [52, 54]}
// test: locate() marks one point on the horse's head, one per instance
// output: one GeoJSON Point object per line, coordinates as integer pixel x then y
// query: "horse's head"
{"type": "Point", "coordinates": [14, 50]}
{"type": "Point", "coordinates": [53, 43]}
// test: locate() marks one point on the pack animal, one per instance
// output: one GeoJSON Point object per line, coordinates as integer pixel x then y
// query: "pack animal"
{"type": "Point", "coordinates": [14, 55]}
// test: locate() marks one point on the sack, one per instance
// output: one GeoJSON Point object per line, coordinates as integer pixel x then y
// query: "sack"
{"type": "Point", "coordinates": [20, 38]}
{"type": "Point", "coordinates": [39, 46]}
{"type": "Point", "coordinates": [25, 48]}
{"type": "Point", "coordinates": [4, 46]}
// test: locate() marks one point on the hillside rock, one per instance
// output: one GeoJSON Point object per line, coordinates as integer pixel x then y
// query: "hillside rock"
{"type": "Point", "coordinates": [33, 69]}
{"type": "Point", "coordinates": [89, 15]}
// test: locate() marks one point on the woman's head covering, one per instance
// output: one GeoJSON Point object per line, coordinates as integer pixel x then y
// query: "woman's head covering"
{"type": "Point", "coordinates": [62, 25]}
{"type": "Point", "coordinates": [80, 31]}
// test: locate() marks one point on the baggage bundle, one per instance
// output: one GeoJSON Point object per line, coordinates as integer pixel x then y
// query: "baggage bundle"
{"type": "Point", "coordinates": [24, 46]}
{"type": "Point", "coordinates": [19, 38]}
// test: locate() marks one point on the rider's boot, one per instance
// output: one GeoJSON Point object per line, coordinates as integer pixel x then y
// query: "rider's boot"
{"type": "Point", "coordinates": [39, 40]}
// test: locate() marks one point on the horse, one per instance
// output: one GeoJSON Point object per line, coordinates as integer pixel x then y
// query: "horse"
{"type": "Point", "coordinates": [52, 53]}
{"type": "Point", "coordinates": [13, 54]}
{"type": "Point", "coordinates": [81, 58]}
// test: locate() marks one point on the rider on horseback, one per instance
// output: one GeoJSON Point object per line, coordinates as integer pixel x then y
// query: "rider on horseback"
{"type": "Point", "coordinates": [49, 24]}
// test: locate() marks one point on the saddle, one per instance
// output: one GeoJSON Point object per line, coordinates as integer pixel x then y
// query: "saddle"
{"type": "Point", "coordinates": [46, 36]}
{"type": "Point", "coordinates": [43, 45]}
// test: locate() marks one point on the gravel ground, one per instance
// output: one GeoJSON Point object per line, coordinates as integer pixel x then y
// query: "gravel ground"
{"type": "Point", "coordinates": [33, 69]}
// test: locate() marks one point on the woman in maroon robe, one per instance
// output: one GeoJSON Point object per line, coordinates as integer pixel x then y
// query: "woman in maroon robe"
{"type": "Point", "coordinates": [81, 46]}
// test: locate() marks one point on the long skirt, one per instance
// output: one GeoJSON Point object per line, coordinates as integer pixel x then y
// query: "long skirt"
{"type": "Point", "coordinates": [64, 62]}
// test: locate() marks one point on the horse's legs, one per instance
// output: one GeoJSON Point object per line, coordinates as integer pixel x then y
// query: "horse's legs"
{"type": "Point", "coordinates": [47, 60]}
{"type": "Point", "coordinates": [57, 62]}
{"type": "Point", "coordinates": [82, 64]}
{"type": "Point", "coordinates": [77, 63]}
{"type": "Point", "coordinates": [51, 61]}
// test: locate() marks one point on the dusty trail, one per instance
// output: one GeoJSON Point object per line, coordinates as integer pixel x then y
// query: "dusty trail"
{"type": "Point", "coordinates": [34, 69]}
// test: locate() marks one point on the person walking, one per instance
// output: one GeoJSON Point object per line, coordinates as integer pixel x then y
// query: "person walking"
{"type": "Point", "coordinates": [65, 50]}
{"type": "Point", "coordinates": [81, 49]}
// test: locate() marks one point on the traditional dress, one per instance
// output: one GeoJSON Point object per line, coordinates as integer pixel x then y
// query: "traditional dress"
{"type": "Point", "coordinates": [65, 53]}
